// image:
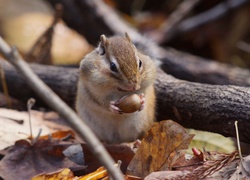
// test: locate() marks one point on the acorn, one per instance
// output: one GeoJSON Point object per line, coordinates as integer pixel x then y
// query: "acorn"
{"type": "Point", "coordinates": [129, 103]}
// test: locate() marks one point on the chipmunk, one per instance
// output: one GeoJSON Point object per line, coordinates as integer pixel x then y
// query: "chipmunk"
{"type": "Point", "coordinates": [111, 71]}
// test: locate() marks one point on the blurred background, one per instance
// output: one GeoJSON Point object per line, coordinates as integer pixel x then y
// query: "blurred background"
{"type": "Point", "coordinates": [216, 29]}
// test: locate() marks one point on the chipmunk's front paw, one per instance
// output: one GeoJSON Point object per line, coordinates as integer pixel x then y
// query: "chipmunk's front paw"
{"type": "Point", "coordinates": [113, 108]}
{"type": "Point", "coordinates": [142, 96]}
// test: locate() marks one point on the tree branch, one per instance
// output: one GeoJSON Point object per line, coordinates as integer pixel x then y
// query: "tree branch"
{"type": "Point", "coordinates": [167, 29]}
{"type": "Point", "coordinates": [206, 107]}
{"type": "Point", "coordinates": [196, 69]}
{"type": "Point", "coordinates": [212, 108]}
{"type": "Point", "coordinates": [208, 16]}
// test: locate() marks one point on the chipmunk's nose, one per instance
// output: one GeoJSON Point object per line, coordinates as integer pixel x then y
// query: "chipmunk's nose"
{"type": "Point", "coordinates": [137, 86]}
{"type": "Point", "coordinates": [133, 86]}
{"type": "Point", "coordinates": [130, 87]}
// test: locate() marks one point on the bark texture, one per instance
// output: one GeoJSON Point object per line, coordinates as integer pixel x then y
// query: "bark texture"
{"type": "Point", "coordinates": [213, 108]}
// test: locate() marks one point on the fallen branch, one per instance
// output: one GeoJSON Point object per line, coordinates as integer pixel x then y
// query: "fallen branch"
{"type": "Point", "coordinates": [206, 107]}
{"type": "Point", "coordinates": [59, 106]}
{"type": "Point", "coordinates": [196, 69]}
{"type": "Point", "coordinates": [212, 108]}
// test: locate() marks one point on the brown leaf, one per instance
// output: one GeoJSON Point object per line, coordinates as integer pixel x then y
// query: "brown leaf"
{"type": "Point", "coordinates": [128, 177]}
{"type": "Point", "coordinates": [27, 160]}
{"type": "Point", "coordinates": [59, 135]}
{"type": "Point", "coordinates": [164, 175]}
{"type": "Point", "coordinates": [159, 148]}
{"type": "Point", "coordinates": [64, 174]}
{"type": "Point", "coordinates": [98, 174]}
{"type": "Point", "coordinates": [184, 163]}
{"type": "Point", "coordinates": [122, 152]}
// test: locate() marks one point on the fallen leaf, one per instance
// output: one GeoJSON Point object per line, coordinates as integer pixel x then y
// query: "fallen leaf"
{"type": "Point", "coordinates": [211, 141]}
{"type": "Point", "coordinates": [128, 177]}
{"type": "Point", "coordinates": [98, 174]}
{"type": "Point", "coordinates": [165, 175]}
{"type": "Point", "coordinates": [64, 174]}
{"type": "Point", "coordinates": [11, 131]}
{"type": "Point", "coordinates": [27, 160]}
{"type": "Point", "coordinates": [59, 135]}
{"type": "Point", "coordinates": [122, 152]}
{"type": "Point", "coordinates": [159, 148]}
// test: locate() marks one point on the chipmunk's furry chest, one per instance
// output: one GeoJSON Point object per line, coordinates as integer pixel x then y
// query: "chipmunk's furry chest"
{"type": "Point", "coordinates": [112, 128]}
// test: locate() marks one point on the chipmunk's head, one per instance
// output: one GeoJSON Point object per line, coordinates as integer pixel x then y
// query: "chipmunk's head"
{"type": "Point", "coordinates": [123, 62]}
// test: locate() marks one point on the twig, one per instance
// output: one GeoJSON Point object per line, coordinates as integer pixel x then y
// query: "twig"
{"type": "Point", "coordinates": [167, 28]}
{"type": "Point", "coordinates": [41, 50]}
{"type": "Point", "coordinates": [238, 139]}
{"type": "Point", "coordinates": [37, 137]}
{"type": "Point", "coordinates": [31, 102]}
{"type": "Point", "coordinates": [5, 87]}
{"type": "Point", "coordinates": [208, 16]}
{"type": "Point", "coordinates": [61, 107]}
{"type": "Point", "coordinates": [243, 46]}
{"type": "Point", "coordinates": [18, 121]}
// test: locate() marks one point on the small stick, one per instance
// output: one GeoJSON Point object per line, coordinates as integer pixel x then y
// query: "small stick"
{"type": "Point", "coordinates": [19, 121]}
{"type": "Point", "coordinates": [37, 137]}
{"type": "Point", "coordinates": [168, 27]}
{"type": "Point", "coordinates": [210, 15]}
{"type": "Point", "coordinates": [238, 140]}
{"type": "Point", "coordinates": [30, 104]}
{"type": "Point", "coordinates": [5, 87]}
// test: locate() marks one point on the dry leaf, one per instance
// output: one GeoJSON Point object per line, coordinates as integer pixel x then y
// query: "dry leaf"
{"type": "Point", "coordinates": [211, 141]}
{"type": "Point", "coordinates": [59, 135]}
{"type": "Point", "coordinates": [64, 174]}
{"type": "Point", "coordinates": [27, 160]}
{"type": "Point", "coordinates": [164, 175]}
{"type": "Point", "coordinates": [128, 177]}
{"type": "Point", "coordinates": [122, 152]}
{"type": "Point", "coordinates": [98, 174]}
{"type": "Point", "coordinates": [159, 148]}
{"type": "Point", "coordinates": [11, 131]}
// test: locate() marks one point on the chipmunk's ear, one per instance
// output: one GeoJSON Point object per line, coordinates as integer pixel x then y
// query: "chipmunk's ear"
{"type": "Point", "coordinates": [104, 40]}
{"type": "Point", "coordinates": [127, 37]}
{"type": "Point", "coordinates": [103, 44]}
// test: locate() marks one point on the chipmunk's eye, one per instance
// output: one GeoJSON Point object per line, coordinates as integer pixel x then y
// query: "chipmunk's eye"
{"type": "Point", "coordinates": [113, 67]}
{"type": "Point", "coordinates": [140, 63]}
